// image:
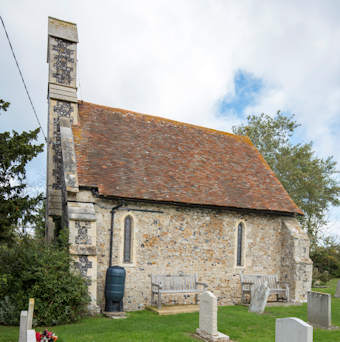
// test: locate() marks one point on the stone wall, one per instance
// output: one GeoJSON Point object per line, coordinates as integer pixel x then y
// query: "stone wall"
{"type": "Point", "coordinates": [62, 103]}
{"type": "Point", "coordinates": [174, 239]}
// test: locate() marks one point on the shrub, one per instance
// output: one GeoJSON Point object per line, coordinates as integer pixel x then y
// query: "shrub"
{"type": "Point", "coordinates": [32, 269]}
{"type": "Point", "coordinates": [326, 257]}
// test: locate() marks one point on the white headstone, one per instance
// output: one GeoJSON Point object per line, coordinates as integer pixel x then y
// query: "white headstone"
{"type": "Point", "coordinates": [293, 330]}
{"type": "Point", "coordinates": [319, 309]}
{"type": "Point", "coordinates": [208, 318]}
{"type": "Point", "coordinates": [208, 313]}
{"type": "Point", "coordinates": [259, 298]}
{"type": "Point", "coordinates": [23, 327]}
{"type": "Point", "coordinates": [337, 292]}
{"type": "Point", "coordinates": [31, 336]}
{"type": "Point", "coordinates": [30, 313]}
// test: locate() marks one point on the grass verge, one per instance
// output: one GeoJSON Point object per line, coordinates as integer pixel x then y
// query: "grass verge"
{"type": "Point", "coordinates": [146, 326]}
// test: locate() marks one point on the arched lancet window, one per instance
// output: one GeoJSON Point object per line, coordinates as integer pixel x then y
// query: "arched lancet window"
{"type": "Point", "coordinates": [127, 238]}
{"type": "Point", "coordinates": [239, 244]}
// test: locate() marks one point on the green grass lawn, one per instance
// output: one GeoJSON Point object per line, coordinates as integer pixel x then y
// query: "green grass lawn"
{"type": "Point", "coordinates": [234, 321]}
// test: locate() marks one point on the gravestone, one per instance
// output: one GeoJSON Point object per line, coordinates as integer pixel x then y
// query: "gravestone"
{"type": "Point", "coordinates": [23, 327]}
{"type": "Point", "coordinates": [31, 336]}
{"type": "Point", "coordinates": [319, 309]}
{"type": "Point", "coordinates": [259, 298]}
{"type": "Point", "coordinates": [293, 329]}
{"type": "Point", "coordinates": [208, 319]}
{"type": "Point", "coordinates": [30, 313]}
{"type": "Point", "coordinates": [337, 292]}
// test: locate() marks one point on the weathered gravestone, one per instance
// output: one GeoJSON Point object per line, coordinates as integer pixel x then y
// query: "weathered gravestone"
{"type": "Point", "coordinates": [30, 313]}
{"type": "Point", "coordinates": [31, 336]}
{"type": "Point", "coordinates": [337, 292]}
{"type": "Point", "coordinates": [319, 309]}
{"type": "Point", "coordinates": [208, 319]}
{"type": "Point", "coordinates": [293, 329]}
{"type": "Point", "coordinates": [23, 327]}
{"type": "Point", "coordinates": [259, 298]}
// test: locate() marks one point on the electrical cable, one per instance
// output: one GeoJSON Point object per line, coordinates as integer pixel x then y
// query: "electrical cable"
{"type": "Point", "coordinates": [22, 78]}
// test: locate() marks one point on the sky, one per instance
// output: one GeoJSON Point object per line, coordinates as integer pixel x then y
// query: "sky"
{"type": "Point", "coordinates": [209, 63]}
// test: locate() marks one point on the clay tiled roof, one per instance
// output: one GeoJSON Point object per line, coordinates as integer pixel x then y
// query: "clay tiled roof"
{"type": "Point", "coordinates": [131, 155]}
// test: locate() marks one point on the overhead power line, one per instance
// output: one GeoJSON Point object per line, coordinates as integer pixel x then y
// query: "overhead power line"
{"type": "Point", "coordinates": [22, 78]}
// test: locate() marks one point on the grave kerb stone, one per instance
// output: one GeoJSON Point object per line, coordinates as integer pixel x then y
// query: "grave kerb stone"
{"type": "Point", "coordinates": [293, 329]}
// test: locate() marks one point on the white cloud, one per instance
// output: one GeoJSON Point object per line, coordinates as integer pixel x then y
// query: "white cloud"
{"type": "Point", "coordinates": [178, 58]}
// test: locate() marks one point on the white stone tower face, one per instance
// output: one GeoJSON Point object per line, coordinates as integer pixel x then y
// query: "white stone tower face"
{"type": "Point", "coordinates": [62, 102]}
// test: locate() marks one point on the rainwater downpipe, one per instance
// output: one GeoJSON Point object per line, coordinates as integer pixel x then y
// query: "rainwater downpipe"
{"type": "Point", "coordinates": [112, 227]}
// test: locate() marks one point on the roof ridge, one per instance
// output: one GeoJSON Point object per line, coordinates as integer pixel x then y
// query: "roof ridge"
{"type": "Point", "coordinates": [156, 117]}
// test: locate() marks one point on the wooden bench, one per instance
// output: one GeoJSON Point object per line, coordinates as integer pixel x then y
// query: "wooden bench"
{"type": "Point", "coordinates": [168, 284]}
{"type": "Point", "coordinates": [278, 288]}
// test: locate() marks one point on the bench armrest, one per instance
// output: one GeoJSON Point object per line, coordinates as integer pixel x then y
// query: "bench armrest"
{"type": "Point", "coordinates": [157, 285]}
{"type": "Point", "coordinates": [283, 283]}
{"type": "Point", "coordinates": [203, 284]}
{"type": "Point", "coordinates": [247, 283]}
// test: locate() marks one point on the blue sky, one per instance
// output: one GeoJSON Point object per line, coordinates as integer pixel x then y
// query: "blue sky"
{"type": "Point", "coordinates": [204, 62]}
{"type": "Point", "coordinates": [247, 88]}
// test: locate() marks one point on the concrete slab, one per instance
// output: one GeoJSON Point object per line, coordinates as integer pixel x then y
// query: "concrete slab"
{"type": "Point", "coordinates": [115, 315]}
{"type": "Point", "coordinates": [174, 309]}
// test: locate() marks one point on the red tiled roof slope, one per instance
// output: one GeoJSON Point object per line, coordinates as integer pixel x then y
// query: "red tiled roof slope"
{"type": "Point", "coordinates": [132, 155]}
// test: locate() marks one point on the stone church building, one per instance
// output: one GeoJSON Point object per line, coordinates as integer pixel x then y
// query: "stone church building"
{"type": "Point", "coordinates": [178, 198]}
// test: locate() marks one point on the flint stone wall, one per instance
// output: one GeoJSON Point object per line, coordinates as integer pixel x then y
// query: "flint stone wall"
{"type": "Point", "coordinates": [177, 240]}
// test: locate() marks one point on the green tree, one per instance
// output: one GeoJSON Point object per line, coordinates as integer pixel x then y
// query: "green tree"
{"type": "Point", "coordinates": [32, 268]}
{"type": "Point", "coordinates": [326, 257]}
{"type": "Point", "coordinates": [17, 208]}
{"type": "Point", "coordinates": [309, 180]}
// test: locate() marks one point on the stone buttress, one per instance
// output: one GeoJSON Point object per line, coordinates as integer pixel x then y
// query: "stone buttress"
{"type": "Point", "coordinates": [296, 266]}
{"type": "Point", "coordinates": [63, 207]}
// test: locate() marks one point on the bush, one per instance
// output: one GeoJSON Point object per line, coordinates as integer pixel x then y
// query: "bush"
{"type": "Point", "coordinates": [32, 269]}
{"type": "Point", "coordinates": [326, 257]}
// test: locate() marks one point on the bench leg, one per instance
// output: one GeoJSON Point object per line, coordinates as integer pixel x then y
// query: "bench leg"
{"type": "Point", "coordinates": [159, 300]}
{"type": "Point", "coordinates": [242, 298]}
{"type": "Point", "coordinates": [196, 299]}
{"type": "Point", "coordinates": [152, 298]}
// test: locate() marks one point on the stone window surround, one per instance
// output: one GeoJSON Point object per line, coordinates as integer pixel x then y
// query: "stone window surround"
{"type": "Point", "coordinates": [244, 239]}
{"type": "Point", "coordinates": [132, 263]}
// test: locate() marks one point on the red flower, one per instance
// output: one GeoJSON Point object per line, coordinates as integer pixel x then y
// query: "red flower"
{"type": "Point", "coordinates": [38, 336]}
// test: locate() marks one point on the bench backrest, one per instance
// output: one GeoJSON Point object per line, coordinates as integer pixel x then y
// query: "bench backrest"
{"type": "Point", "coordinates": [259, 279]}
{"type": "Point", "coordinates": [175, 282]}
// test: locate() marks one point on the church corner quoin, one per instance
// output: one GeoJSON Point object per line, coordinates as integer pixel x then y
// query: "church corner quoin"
{"type": "Point", "coordinates": [191, 199]}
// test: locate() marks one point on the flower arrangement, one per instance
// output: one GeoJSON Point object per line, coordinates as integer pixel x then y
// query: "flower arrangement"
{"type": "Point", "coordinates": [45, 336]}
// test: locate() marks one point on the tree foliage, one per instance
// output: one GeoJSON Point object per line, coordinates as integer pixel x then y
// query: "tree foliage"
{"type": "Point", "coordinates": [326, 257]}
{"type": "Point", "coordinates": [16, 206]}
{"type": "Point", "coordinates": [34, 269]}
{"type": "Point", "coordinates": [309, 180]}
